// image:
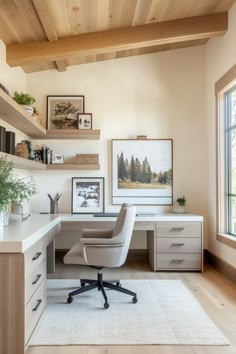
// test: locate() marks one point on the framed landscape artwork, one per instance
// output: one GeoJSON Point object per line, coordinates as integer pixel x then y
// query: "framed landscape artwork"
{"type": "Point", "coordinates": [62, 111]}
{"type": "Point", "coordinates": [142, 171]}
{"type": "Point", "coordinates": [87, 195]}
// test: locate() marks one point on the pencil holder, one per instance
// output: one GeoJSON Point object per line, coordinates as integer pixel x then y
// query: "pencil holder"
{"type": "Point", "coordinates": [53, 207]}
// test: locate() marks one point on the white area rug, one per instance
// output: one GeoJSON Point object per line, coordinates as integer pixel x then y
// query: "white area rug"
{"type": "Point", "coordinates": [166, 313]}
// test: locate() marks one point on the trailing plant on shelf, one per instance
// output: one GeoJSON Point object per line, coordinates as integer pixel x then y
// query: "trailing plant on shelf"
{"type": "Point", "coordinates": [181, 201]}
{"type": "Point", "coordinates": [13, 188]}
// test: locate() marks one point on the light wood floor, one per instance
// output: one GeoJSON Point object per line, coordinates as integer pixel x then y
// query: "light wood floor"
{"type": "Point", "coordinates": [216, 293]}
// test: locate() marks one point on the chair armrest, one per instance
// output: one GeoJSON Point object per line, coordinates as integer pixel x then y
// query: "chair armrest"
{"type": "Point", "coordinates": [98, 241]}
{"type": "Point", "coordinates": [98, 245]}
{"type": "Point", "coordinates": [90, 233]}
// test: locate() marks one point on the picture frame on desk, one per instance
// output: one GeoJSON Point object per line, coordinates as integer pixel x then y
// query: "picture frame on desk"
{"type": "Point", "coordinates": [87, 195]}
{"type": "Point", "coordinates": [142, 171]}
{"type": "Point", "coordinates": [62, 111]}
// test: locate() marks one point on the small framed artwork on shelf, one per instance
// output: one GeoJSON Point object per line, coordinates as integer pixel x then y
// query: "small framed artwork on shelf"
{"type": "Point", "coordinates": [58, 158]}
{"type": "Point", "coordinates": [62, 111]}
{"type": "Point", "coordinates": [84, 121]}
{"type": "Point", "coordinates": [87, 195]}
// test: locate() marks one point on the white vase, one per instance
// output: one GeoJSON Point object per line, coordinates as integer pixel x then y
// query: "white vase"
{"type": "Point", "coordinates": [4, 218]}
{"type": "Point", "coordinates": [179, 209]}
{"type": "Point", "coordinates": [28, 109]}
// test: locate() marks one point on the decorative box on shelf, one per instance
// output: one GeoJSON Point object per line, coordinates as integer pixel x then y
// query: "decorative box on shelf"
{"type": "Point", "coordinates": [87, 159]}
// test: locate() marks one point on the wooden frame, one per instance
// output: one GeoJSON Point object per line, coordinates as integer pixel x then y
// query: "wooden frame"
{"type": "Point", "coordinates": [85, 121]}
{"type": "Point", "coordinates": [142, 171]}
{"type": "Point", "coordinates": [62, 111]}
{"type": "Point", "coordinates": [87, 195]}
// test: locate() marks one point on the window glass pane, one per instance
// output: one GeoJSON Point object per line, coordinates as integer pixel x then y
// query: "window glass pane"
{"type": "Point", "coordinates": [233, 108]}
{"type": "Point", "coordinates": [232, 215]}
{"type": "Point", "coordinates": [233, 161]}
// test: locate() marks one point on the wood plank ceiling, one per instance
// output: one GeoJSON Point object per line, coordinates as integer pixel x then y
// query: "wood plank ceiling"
{"type": "Point", "coordinates": [54, 34]}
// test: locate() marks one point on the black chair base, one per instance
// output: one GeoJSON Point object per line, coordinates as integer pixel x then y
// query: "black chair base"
{"type": "Point", "coordinates": [100, 284]}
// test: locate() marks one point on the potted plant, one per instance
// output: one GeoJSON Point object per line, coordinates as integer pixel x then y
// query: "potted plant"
{"type": "Point", "coordinates": [12, 189]}
{"type": "Point", "coordinates": [25, 100]}
{"type": "Point", "coordinates": [180, 205]}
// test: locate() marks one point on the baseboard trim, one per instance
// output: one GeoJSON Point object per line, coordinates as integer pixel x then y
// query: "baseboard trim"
{"type": "Point", "coordinates": [133, 254]}
{"type": "Point", "coordinates": [219, 264]}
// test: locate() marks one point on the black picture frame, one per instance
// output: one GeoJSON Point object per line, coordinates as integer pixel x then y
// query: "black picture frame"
{"type": "Point", "coordinates": [87, 195]}
{"type": "Point", "coordinates": [85, 121]}
{"type": "Point", "coordinates": [58, 107]}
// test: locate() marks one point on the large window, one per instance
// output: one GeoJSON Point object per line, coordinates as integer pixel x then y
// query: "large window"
{"type": "Point", "coordinates": [230, 160]}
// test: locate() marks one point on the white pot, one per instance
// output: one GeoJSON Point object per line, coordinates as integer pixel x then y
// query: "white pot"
{"type": "Point", "coordinates": [178, 209]}
{"type": "Point", "coordinates": [28, 109]}
{"type": "Point", "coordinates": [4, 218]}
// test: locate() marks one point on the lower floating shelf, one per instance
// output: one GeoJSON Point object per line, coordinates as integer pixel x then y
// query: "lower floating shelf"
{"type": "Point", "coordinates": [20, 162]}
{"type": "Point", "coordinates": [69, 166]}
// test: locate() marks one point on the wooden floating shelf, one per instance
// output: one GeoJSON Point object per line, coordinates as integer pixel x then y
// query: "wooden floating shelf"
{"type": "Point", "coordinates": [13, 114]}
{"type": "Point", "coordinates": [72, 134]}
{"type": "Point", "coordinates": [20, 162]}
{"type": "Point", "coordinates": [70, 166]}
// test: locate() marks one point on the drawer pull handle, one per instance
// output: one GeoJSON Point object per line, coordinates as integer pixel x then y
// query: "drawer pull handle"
{"type": "Point", "coordinates": [177, 229]}
{"type": "Point", "coordinates": [177, 261]}
{"type": "Point", "coordinates": [38, 304]}
{"type": "Point", "coordinates": [38, 254]}
{"type": "Point", "coordinates": [177, 244]}
{"type": "Point", "coordinates": [36, 279]}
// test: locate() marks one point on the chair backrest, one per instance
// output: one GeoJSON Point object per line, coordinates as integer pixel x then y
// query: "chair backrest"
{"type": "Point", "coordinates": [123, 232]}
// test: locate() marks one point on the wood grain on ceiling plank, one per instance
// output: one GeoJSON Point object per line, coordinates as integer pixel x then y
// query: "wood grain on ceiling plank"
{"type": "Point", "coordinates": [120, 39]}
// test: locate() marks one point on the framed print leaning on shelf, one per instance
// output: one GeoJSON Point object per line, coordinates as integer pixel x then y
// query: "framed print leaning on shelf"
{"type": "Point", "coordinates": [142, 171]}
{"type": "Point", "coordinates": [62, 111]}
{"type": "Point", "coordinates": [84, 120]}
{"type": "Point", "coordinates": [87, 195]}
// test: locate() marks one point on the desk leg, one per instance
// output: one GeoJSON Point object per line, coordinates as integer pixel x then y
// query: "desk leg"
{"type": "Point", "coordinates": [151, 246]}
{"type": "Point", "coordinates": [51, 257]}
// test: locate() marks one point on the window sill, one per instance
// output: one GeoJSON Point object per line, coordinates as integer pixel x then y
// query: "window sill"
{"type": "Point", "coordinates": [227, 240]}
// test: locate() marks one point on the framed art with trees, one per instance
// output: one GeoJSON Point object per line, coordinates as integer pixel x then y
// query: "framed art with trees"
{"type": "Point", "coordinates": [142, 171]}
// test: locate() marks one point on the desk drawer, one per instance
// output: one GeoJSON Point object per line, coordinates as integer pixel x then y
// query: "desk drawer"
{"type": "Point", "coordinates": [179, 229]}
{"type": "Point", "coordinates": [178, 244]}
{"type": "Point", "coordinates": [34, 256]}
{"type": "Point", "coordinates": [34, 280]}
{"type": "Point", "coordinates": [34, 309]}
{"type": "Point", "coordinates": [179, 261]}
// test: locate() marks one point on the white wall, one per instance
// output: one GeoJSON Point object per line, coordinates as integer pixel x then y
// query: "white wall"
{"type": "Point", "coordinates": [161, 95]}
{"type": "Point", "coordinates": [221, 54]}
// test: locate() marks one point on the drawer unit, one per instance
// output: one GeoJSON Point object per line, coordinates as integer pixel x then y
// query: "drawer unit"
{"type": "Point", "coordinates": [34, 257]}
{"type": "Point", "coordinates": [178, 245]}
{"type": "Point", "coordinates": [34, 309]}
{"type": "Point", "coordinates": [171, 261]}
{"type": "Point", "coordinates": [34, 280]}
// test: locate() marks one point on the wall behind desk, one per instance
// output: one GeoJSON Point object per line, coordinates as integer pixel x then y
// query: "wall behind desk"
{"type": "Point", "coordinates": [160, 95]}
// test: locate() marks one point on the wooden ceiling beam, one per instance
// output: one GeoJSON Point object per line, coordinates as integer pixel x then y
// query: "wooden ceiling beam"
{"type": "Point", "coordinates": [153, 34]}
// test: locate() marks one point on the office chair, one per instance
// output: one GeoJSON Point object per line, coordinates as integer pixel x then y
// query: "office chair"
{"type": "Point", "coordinates": [99, 249]}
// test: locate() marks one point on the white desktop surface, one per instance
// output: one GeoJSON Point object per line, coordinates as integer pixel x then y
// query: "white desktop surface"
{"type": "Point", "coordinates": [18, 236]}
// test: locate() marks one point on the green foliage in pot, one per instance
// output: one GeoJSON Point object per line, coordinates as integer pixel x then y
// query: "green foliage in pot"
{"type": "Point", "coordinates": [181, 201]}
{"type": "Point", "coordinates": [13, 188]}
{"type": "Point", "coordinates": [23, 98]}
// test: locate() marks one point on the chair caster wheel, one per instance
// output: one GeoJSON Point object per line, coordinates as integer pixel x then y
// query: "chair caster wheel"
{"type": "Point", "coordinates": [118, 283]}
{"type": "Point", "coordinates": [135, 300]}
{"type": "Point", "coordinates": [69, 300]}
{"type": "Point", "coordinates": [82, 284]}
{"type": "Point", "coordinates": [106, 305]}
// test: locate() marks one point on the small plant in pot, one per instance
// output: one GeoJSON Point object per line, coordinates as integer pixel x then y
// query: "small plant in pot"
{"type": "Point", "coordinates": [25, 100]}
{"type": "Point", "coordinates": [180, 205]}
{"type": "Point", "coordinates": [13, 189]}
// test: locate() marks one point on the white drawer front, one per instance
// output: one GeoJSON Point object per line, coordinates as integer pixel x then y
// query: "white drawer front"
{"type": "Point", "coordinates": [34, 280]}
{"type": "Point", "coordinates": [178, 261]}
{"type": "Point", "coordinates": [179, 229]}
{"type": "Point", "coordinates": [34, 309]}
{"type": "Point", "coordinates": [34, 256]}
{"type": "Point", "coordinates": [178, 244]}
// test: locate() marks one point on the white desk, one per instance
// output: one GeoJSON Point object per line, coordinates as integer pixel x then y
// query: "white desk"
{"type": "Point", "coordinates": [174, 242]}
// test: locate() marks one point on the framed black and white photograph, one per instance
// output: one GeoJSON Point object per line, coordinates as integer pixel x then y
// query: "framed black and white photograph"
{"type": "Point", "coordinates": [84, 120]}
{"type": "Point", "coordinates": [62, 111]}
{"type": "Point", "coordinates": [58, 158]}
{"type": "Point", "coordinates": [87, 195]}
{"type": "Point", "coordinates": [142, 171]}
